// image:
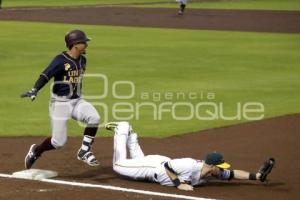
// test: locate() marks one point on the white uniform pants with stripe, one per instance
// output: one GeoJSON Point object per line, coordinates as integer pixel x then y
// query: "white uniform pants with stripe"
{"type": "Point", "coordinates": [137, 166]}
{"type": "Point", "coordinates": [62, 109]}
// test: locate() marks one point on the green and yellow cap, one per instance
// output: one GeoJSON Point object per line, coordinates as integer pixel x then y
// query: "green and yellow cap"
{"type": "Point", "coordinates": [217, 160]}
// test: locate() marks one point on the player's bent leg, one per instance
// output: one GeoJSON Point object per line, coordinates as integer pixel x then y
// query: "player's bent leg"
{"type": "Point", "coordinates": [60, 141]}
{"type": "Point", "coordinates": [59, 113]}
{"type": "Point", "coordinates": [59, 130]}
{"type": "Point", "coordinates": [85, 112]}
{"type": "Point", "coordinates": [120, 141]}
{"type": "Point", "coordinates": [84, 153]}
{"type": "Point", "coordinates": [119, 149]}
{"type": "Point", "coordinates": [135, 150]}
{"type": "Point", "coordinates": [122, 128]}
{"type": "Point", "coordinates": [35, 151]}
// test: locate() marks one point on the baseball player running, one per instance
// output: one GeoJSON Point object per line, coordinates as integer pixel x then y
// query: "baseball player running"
{"type": "Point", "coordinates": [67, 69]}
{"type": "Point", "coordinates": [182, 4]}
{"type": "Point", "coordinates": [183, 173]}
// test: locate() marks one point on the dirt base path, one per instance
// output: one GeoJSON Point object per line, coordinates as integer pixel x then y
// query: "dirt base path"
{"type": "Point", "coordinates": [206, 19]}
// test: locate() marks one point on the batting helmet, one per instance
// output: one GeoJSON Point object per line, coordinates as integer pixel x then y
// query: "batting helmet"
{"type": "Point", "coordinates": [74, 37]}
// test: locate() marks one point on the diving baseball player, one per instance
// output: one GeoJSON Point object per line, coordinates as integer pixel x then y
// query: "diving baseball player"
{"type": "Point", "coordinates": [183, 173]}
{"type": "Point", "coordinates": [67, 69]}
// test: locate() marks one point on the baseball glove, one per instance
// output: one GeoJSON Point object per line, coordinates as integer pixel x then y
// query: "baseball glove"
{"type": "Point", "coordinates": [266, 169]}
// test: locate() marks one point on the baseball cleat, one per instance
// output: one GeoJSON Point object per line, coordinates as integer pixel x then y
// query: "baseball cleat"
{"type": "Point", "coordinates": [31, 157]}
{"type": "Point", "coordinates": [111, 126]}
{"type": "Point", "coordinates": [87, 157]}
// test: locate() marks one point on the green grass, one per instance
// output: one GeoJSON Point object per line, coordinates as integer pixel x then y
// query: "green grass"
{"type": "Point", "coordinates": [240, 4]}
{"type": "Point", "coordinates": [224, 4]}
{"type": "Point", "coordinates": [235, 66]}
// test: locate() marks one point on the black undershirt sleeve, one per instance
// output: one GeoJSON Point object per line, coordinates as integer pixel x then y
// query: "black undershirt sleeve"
{"type": "Point", "coordinates": [40, 82]}
{"type": "Point", "coordinates": [166, 165]}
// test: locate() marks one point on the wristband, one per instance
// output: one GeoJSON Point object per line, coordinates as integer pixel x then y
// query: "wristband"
{"type": "Point", "coordinates": [176, 182]}
{"type": "Point", "coordinates": [252, 176]}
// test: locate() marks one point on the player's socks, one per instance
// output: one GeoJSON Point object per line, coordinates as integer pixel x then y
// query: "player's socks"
{"type": "Point", "coordinates": [86, 143]}
{"type": "Point", "coordinates": [44, 146]}
{"type": "Point", "coordinates": [90, 131]}
{"type": "Point", "coordinates": [88, 139]}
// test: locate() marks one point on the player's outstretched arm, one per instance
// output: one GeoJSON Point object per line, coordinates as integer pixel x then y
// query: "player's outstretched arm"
{"type": "Point", "coordinates": [37, 86]}
{"type": "Point", "coordinates": [244, 175]}
{"type": "Point", "coordinates": [261, 175]}
{"type": "Point", "coordinates": [53, 69]}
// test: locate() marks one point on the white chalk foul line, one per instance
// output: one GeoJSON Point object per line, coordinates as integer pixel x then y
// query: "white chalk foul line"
{"type": "Point", "coordinates": [108, 187]}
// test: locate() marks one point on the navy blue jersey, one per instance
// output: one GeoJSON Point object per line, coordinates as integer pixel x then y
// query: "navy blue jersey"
{"type": "Point", "coordinates": [67, 73]}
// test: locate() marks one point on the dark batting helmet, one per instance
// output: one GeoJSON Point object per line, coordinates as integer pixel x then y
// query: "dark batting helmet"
{"type": "Point", "coordinates": [74, 37]}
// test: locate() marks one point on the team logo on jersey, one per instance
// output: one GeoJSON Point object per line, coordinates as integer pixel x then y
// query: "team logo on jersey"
{"type": "Point", "coordinates": [67, 66]}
